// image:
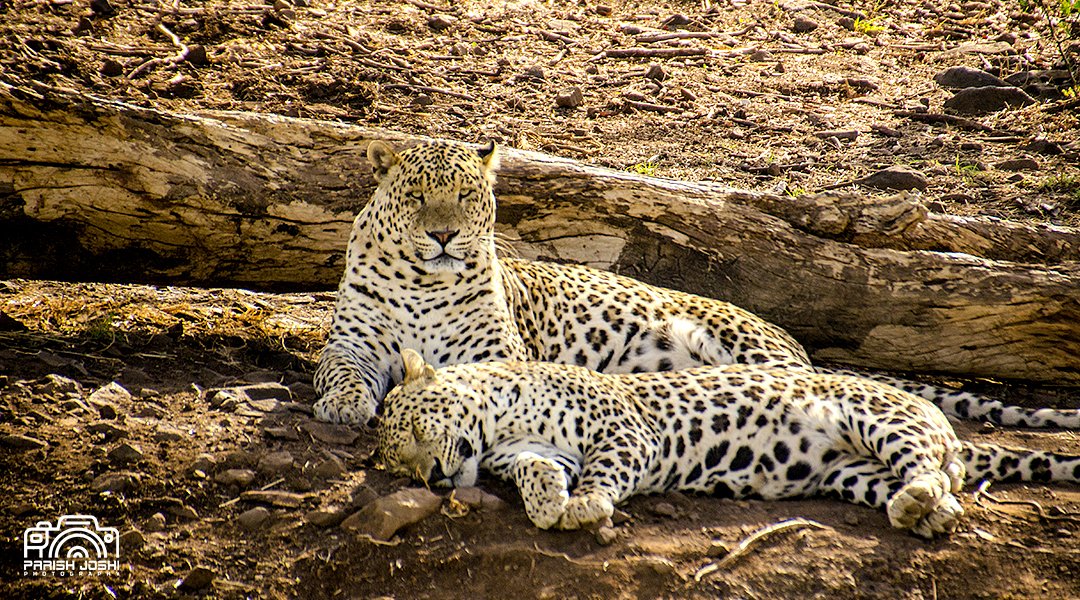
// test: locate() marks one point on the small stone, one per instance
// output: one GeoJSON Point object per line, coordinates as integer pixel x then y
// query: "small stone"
{"type": "Point", "coordinates": [111, 68]}
{"type": "Point", "coordinates": [441, 22]}
{"type": "Point", "coordinates": [965, 77]}
{"type": "Point", "coordinates": [330, 468]}
{"type": "Point", "coordinates": [204, 462]}
{"type": "Point", "coordinates": [183, 511]}
{"type": "Point", "coordinates": [275, 463]}
{"type": "Point", "coordinates": [385, 516]}
{"type": "Point", "coordinates": [108, 430]}
{"type": "Point", "coordinates": [197, 579]}
{"type": "Point", "coordinates": [569, 98]}
{"type": "Point", "coordinates": [847, 23]}
{"type": "Point", "coordinates": [422, 100]}
{"type": "Point", "coordinates": [120, 481]}
{"type": "Point", "coordinates": [1018, 164]}
{"type": "Point", "coordinates": [1043, 146]}
{"type": "Point", "coordinates": [987, 99]}
{"type": "Point", "coordinates": [166, 433]}
{"type": "Point", "coordinates": [132, 539]}
{"type": "Point", "coordinates": [266, 391]}
{"type": "Point", "coordinates": [125, 454]}
{"type": "Point", "coordinates": [804, 25]}
{"type": "Point", "coordinates": [325, 518]}
{"type": "Point", "coordinates": [59, 385]}
{"type": "Point", "coordinates": [274, 498]}
{"type": "Point", "coordinates": [329, 433]}
{"type": "Point", "coordinates": [840, 134]}
{"type": "Point", "coordinates": [155, 523]}
{"type": "Point", "coordinates": [664, 509]}
{"type": "Point", "coordinates": [760, 55]}
{"type": "Point", "coordinates": [603, 10]}
{"type": "Point", "coordinates": [851, 518]}
{"type": "Point", "coordinates": [24, 508]}
{"type": "Point", "coordinates": [896, 177]}
{"type": "Point", "coordinates": [282, 433]}
{"type": "Point", "coordinates": [197, 55]}
{"type": "Point", "coordinates": [656, 72]}
{"type": "Point", "coordinates": [106, 398]}
{"type": "Point", "coordinates": [476, 498]}
{"type": "Point", "coordinates": [238, 477]}
{"type": "Point", "coordinates": [535, 72]}
{"type": "Point", "coordinates": [253, 519]}
{"type": "Point", "coordinates": [22, 443]}
{"type": "Point", "coordinates": [605, 536]}
{"type": "Point", "coordinates": [717, 549]}
{"type": "Point", "coordinates": [620, 516]}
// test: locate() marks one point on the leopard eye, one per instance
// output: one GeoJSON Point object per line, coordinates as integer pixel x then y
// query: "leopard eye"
{"type": "Point", "coordinates": [466, 194]}
{"type": "Point", "coordinates": [415, 195]}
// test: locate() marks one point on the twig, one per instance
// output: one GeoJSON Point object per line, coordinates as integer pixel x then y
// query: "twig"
{"type": "Point", "coordinates": [660, 108]}
{"type": "Point", "coordinates": [652, 52]}
{"type": "Point", "coordinates": [429, 89]}
{"type": "Point", "coordinates": [960, 122]}
{"type": "Point", "coordinates": [759, 535]}
{"type": "Point", "coordinates": [982, 492]}
{"type": "Point", "coordinates": [1060, 106]}
{"type": "Point", "coordinates": [180, 56]}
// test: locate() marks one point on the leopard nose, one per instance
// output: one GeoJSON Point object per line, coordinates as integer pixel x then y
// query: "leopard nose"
{"type": "Point", "coordinates": [443, 236]}
{"type": "Point", "coordinates": [436, 474]}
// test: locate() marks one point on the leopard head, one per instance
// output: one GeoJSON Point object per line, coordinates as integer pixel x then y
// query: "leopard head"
{"type": "Point", "coordinates": [430, 427]}
{"type": "Point", "coordinates": [434, 205]}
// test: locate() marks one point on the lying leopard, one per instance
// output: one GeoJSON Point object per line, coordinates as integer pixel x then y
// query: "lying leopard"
{"type": "Point", "coordinates": [577, 442]}
{"type": "Point", "coordinates": [421, 272]}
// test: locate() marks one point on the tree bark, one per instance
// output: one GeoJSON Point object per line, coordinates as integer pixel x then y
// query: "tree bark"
{"type": "Point", "coordinates": [97, 190]}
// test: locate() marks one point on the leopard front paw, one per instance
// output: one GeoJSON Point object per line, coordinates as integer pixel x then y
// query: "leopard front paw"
{"type": "Point", "coordinates": [348, 407]}
{"type": "Point", "coordinates": [585, 510]}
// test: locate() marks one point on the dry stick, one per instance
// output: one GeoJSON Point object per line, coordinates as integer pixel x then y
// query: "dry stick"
{"type": "Point", "coordinates": [757, 536]}
{"type": "Point", "coordinates": [982, 492]}
{"type": "Point", "coordinates": [429, 89]}
{"type": "Point", "coordinates": [652, 107]}
{"type": "Point", "coordinates": [651, 38]}
{"type": "Point", "coordinates": [652, 52]}
{"type": "Point", "coordinates": [427, 5]}
{"type": "Point", "coordinates": [960, 122]}
{"type": "Point", "coordinates": [153, 63]}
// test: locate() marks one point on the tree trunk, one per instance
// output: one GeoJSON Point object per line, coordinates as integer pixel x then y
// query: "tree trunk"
{"type": "Point", "coordinates": [98, 190]}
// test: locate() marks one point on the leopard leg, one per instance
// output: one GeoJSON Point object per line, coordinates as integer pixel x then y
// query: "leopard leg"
{"type": "Point", "coordinates": [349, 387]}
{"type": "Point", "coordinates": [925, 504]}
{"type": "Point", "coordinates": [543, 486]}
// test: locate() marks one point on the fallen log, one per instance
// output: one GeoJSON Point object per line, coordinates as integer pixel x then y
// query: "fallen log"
{"type": "Point", "coordinates": [92, 189]}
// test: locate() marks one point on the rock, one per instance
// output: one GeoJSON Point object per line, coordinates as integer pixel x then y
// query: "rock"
{"type": "Point", "coordinates": [569, 98]}
{"type": "Point", "coordinates": [325, 517]}
{"type": "Point", "coordinates": [132, 539]}
{"type": "Point", "coordinates": [361, 496]}
{"type": "Point", "coordinates": [167, 433]}
{"type": "Point", "coordinates": [840, 134]}
{"type": "Point", "coordinates": [656, 72]}
{"type": "Point", "coordinates": [330, 468]}
{"type": "Point", "coordinates": [1018, 164]}
{"type": "Point", "coordinates": [275, 498]}
{"type": "Point", "coordinates": [476, 498]}
{"type": "Point", "coordinates": [108, 430]}
{"type": "Point", "coordinates": [197, 579]}
{"type": "Point", "coordinates": [125, 454]}
{"type": "Point", "coordinates": [305, 391]}
{"type": "Point", "coordinates": [847, 23]}
{"type": "Point", "coordinates": [620, 516]}
{"type": "Point", "coordinates": [155, 523]}
{"type": "Point", "coordinates": [106, 398]}
{"type": "Point", "coordinates": [664, 509]}
{"type": "Point", "coordinates": [266, 391]}
{"type": "Point", "coordinates": [760, 55]}
{"type": "Point", "coordinates": [981, 48]}
{"type": "Point", "coordinates": [1043, 146]}
{"type": "Point", "coordinates": [717, 549]}
{"type": "Point", "coordinates": [605, 536]}
{"type": "Point", "coordinates": [282, 433]}
{"type": "Point", "coordinates": [253, 519]}
{"type": "Point", "coordinates": [183, 511]}
{"type": "Point", "coordinates": [119, 481]}
{"type": "Point", "coordinates": [978, 100]}
{"type": "Point", "coordinates": [275, 463]}
{"type": "Point", "coordinates": [385, 516]}
{"type": "Point", "coordinates": [238, 477]}
{"type": "Point", "coordinates": [197, 55]}
{"type": "Point", "coordinates": [965, 77]}
{"type": "Point", "coordinates": [204, 462]}
{"type": "Point", "coordinates": [896, 177]}
{"type": "Point", "coordinates": [804, 25]}
{"type": "Point", "coordinates": [329, 433]}
{"type": "Point", "coordinates": [59, 385]}
{"type": "Point", "coordinates": [22, 443]}
{"type": "Point", "coordinates": [441, 22]}
{"type": "Point", "coordinates": [535, 72]}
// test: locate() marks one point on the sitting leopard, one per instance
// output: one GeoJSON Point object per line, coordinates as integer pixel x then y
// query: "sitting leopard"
{"type": "Point", "coordinates": [421, 272]}
{"type": "Point", "coordinates": [576, 442]}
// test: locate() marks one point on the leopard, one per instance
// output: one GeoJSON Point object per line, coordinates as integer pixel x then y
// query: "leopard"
{"type": "Point", "coordinates": [422, 271]}
{"type": "Point", "coordinates": [576, 442]}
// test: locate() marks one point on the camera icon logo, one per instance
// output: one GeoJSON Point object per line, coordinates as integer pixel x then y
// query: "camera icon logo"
{"type": "Point", "coordinates": [72, 537]}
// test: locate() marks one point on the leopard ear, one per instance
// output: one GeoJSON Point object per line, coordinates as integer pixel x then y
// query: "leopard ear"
{"type": "Point", "coordinates": [489, 158]}
{"type": "Point", "coordinates": [415, 367]}
{"type": "Point", "coordinates": [382, 157]}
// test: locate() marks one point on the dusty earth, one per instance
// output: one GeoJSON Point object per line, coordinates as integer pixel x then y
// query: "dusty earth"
{"type": "Point", "coordinates": [226, 490]}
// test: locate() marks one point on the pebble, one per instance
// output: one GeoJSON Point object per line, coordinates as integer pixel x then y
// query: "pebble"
{"type": "Point", "coordinates": [125, 454]}
{"type": "Point", "coordinates": [965, 77]}
{"type": "Point", "coordinates": [204, 462]}
{"type": "Point", "coordinates": [440, 22]}
{"type": "Point", "coordinates": [804, 25]}
{"type": "Point", "coordinates": [274, 498]}
{"type": "Point", "coordinates": [760, 55]}
{"type": "Point", "coordinates": [282, 433]}
{"type": "Point", "coordinates": [238, 477]}
{"type": "Point", "coordinates": [266, 391]}
{"type": "Point", "coordinates": [847, 23]}
{"type": "Point", "coordinates": [155, 523]}
{"type": "Point", "coordinates": [325, 517]}
{"type": "Point", "coordinates": [840, 134]}
{"type": "Point", "coordinates": [132, 539]}
{"type": "Point", "coordinates": [253, 519]}
{"type": "Point", "coordinates": [115, 482]}
{"type": "Point", "coordinates": [717, 549]}
{"type": "Point", "coordinates": [108, 430]}
{"type": "Point", "coordinates": [197, 579]}
{"type": "Point", "coordinates": [535, 72]}
{"type": "Point", "coordinates": [987, 99]}
{"type": "Point", "coordinates": [896, 177]}
{"type": "Point", "coordinates": [329, 433]}
{"type": "Point", "coordinates": [476, 498]}
{"type": "Point", "coordinates": [54, 384]}
{"type": "Point", "coordinates": [664, 509]}
{"type": "Point", "coordinates": [330, 468]}
{"type": "Point", "coordinates": [275, 463]}
{"type": "Point", "coordinates": [569, 98]}
{"type": "Point", "coordinates": [605, 536]}
{"type": "Point", "coordinates": [106, 398]}
{"type": "Point", "coordinates": [22, 442]}
{"type": "Point", "coordinates": [385, 516]}
{"type": "Point", "coordinates": [656, 72]}
{"type": "Point", "coordinates": [1018, 164]}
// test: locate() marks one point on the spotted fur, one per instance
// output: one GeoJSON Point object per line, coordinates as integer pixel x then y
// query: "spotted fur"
{"type": "Point", "coordinates": [422, 272]}
{"type": "Point", "coordinates": [577, 442]}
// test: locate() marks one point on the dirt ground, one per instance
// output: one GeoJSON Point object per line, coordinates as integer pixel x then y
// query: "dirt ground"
{"type": "Point", "coordinates": [226, 494]}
